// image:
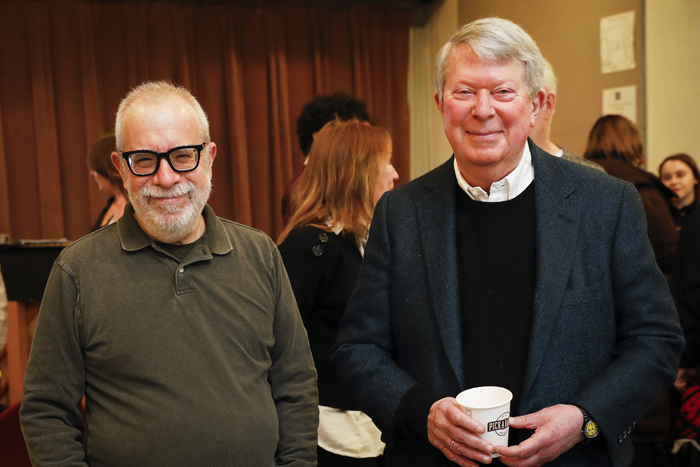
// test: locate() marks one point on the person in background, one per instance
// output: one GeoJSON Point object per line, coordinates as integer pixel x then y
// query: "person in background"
{"type": "Point", "coordinates": [614, 143]}
{"type": "Point", "coordinates": [680, 174]}
{"type": "Point", "coordinates": [99, 161]}
{"type": "Point", "coordinates": [314, 115]}
{"type": "Point", "coordinates": [506, 267]}
{"type": "Point", "coordinates": [179, 328]}
{"type": "Point", "coordinates": [349, 169]}
{"type": "Point", "coordinates": [540, 132]}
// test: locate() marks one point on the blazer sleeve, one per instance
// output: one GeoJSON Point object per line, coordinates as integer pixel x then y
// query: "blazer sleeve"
{"type": "Point", "coordinates": [364, 352]}
{"type": "Point", "coordinates": [647, 336]}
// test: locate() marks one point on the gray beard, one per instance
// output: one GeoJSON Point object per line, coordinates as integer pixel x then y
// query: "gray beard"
{"type": "Point", "coordinates": [170, 224]}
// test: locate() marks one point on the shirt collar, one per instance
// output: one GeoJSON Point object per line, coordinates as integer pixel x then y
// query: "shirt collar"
{"type": "Point", "coordinates": [507, 188]}
{"type": "Point", "coordinates": [338, 230]}
{"type": "Point", "coordinates": [132, 236]}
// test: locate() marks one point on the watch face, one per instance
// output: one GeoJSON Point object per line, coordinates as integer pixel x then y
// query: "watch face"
{"type": "Point", "coordinates": [591, 429]}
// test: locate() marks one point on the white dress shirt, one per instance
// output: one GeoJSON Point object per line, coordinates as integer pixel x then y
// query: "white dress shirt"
{"type": "Point", "coordinates": [507, 188]}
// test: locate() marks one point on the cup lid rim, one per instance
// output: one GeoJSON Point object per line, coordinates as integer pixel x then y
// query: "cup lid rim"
{"type": "Point", "coordinates": [507, 392]}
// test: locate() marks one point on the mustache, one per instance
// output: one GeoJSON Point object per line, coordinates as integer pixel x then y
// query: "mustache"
{"type": "Point", "coordinates": [180, 189]}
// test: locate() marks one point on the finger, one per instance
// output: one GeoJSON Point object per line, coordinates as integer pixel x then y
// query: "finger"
{"type": "Point", "coordinates": [513, 461]}
{"type": "Point", "coordinates": [465, 456]}
{"type": "Point", "coordinates": [527, 461]}
{"type": "Point", "coordinates": [524, 421]}
{"type": "Point", "coordinates": [447, 422]}
{"type": "Point", "coordinates": [458, 417]}
{"type": "Point", "coordinates": [511, 452]}
{"type": "Point", "coordinates": [469, 452]}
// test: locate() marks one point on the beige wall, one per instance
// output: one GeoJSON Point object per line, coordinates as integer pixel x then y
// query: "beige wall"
{"type": "Point", "coordinates": [568, 33]}
{"type": "Point", "coordinates": [429, 146]}
{"type": "Point", "coordinates": [673, 74]}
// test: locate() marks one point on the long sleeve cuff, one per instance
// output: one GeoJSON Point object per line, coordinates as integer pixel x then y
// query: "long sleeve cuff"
{"type": "Point", "coordinates": [411, 418]}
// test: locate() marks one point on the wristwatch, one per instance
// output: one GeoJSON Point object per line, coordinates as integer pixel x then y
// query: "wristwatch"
{"type": "Point", "coordinates": [590, 428]}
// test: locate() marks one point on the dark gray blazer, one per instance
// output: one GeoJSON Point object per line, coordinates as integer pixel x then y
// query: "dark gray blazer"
{"type": "Point", "coordinates": [605, 331]}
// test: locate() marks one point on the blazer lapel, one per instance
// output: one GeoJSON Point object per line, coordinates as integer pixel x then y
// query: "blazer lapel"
{"type": "Point", "coordinates": [437, 232]}
{"type": "Point", "coordinates": [557, 222]}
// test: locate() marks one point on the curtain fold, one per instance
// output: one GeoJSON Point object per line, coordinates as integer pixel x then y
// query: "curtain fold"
{"type": "Point", "coordinates": [92, 104]}
{"type": "Point", "coordinates": [64, 66]}
{"type": "Point", "coordinates": [45, 123]}
{"type": "Point", "coordinates": [236, 168]}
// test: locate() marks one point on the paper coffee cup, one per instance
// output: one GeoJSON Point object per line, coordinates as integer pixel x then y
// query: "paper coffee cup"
{"type": "Point", "coordinates": [490, 405]}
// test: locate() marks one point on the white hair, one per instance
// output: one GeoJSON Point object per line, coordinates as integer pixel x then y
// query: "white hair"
{"type": "Point", "coordinates": [495, 40]}
{"type": "Point", "coordinates": [153, 92]}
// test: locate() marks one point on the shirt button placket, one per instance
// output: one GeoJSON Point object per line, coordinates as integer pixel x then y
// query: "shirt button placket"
{"type": "Point", "coordinates": [180, 280]}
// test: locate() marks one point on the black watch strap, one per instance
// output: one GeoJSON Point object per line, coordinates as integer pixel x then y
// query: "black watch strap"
{"type": "Point", "coordinates": [590, 428]}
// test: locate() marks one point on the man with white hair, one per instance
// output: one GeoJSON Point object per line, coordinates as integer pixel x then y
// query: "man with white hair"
{"type": "Point", "coordinates": [179, 328]}
{"type": "Point", "coordinates": [506, 267]}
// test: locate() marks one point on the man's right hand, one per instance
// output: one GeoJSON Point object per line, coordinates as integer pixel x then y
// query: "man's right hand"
{"type": "Point", "coordinates": [456, 434]}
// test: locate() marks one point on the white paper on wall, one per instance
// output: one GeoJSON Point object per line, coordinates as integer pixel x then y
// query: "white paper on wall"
{"type": "Point", "coordinates": [617, 42]}
{"type": "Point", "coordinates": [621, 101]}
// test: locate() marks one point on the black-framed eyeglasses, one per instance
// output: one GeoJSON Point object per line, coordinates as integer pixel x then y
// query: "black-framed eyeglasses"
{"type": "Point", "coordinates": [144, 162]}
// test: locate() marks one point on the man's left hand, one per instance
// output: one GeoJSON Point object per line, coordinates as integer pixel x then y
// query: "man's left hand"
{"type": "Point", "coordinates": [557, 429]}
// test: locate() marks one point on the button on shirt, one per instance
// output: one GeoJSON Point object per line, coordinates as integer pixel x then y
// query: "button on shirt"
{"type": "Point", "coordinates": [507, 188]}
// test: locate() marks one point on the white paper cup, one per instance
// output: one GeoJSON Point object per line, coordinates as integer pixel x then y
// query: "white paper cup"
{"type": "Point", "coordinates": [490, 405]}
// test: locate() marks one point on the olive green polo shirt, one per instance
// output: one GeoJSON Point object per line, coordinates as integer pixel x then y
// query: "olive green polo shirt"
{"type": "Point", "coordinates": [203, 361]}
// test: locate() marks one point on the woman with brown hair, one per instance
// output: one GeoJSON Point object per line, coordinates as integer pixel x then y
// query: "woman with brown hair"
{"type": "Point", "coordinates": [680, 174]}
{"type": "Point", "coordinates": [108, 180]}
{"type": "Point", "coordinates": [614, 143]}
{"type": "Point", "coordinates": [349, 168]}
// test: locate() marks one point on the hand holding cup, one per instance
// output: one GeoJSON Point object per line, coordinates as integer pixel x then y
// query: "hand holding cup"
{"type": "Point", "coordinates": [490, 405]}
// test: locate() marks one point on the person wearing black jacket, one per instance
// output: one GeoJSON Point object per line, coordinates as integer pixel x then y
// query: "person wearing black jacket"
{"type": "Point", "coordinates": [349, 169]}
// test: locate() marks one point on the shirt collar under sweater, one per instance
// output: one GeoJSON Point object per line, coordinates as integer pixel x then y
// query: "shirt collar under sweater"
{"type": "Point", "coordinates": [508, 188]}
{"type": "Point", "coordinates": [133, 238]}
